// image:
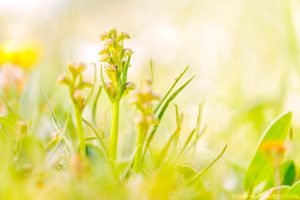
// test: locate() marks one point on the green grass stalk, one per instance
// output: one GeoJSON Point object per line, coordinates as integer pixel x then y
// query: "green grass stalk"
{"type": "Point", "coordinates": [113, 143]}
{"type": "Point", "coordinates": [139, 147]}
{"type": "Point", "coordinates": [80, 131]}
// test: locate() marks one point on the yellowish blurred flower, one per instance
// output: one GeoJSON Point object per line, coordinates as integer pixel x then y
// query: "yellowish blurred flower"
{"type": "Point", "coordinates": [21, 55]}
{"type": "Point", "coordinates": [143, 100]}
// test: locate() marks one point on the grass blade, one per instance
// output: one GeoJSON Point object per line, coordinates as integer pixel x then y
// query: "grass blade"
{"type": "Point", "coordinates": [194, 131]}
{"type": "Point", "coordinates": [56, 124]}
{"type": "Point", "coordinates": [170, 90]}
{"type": "Point", "coordinates": [95, 103]}
{"type": "Point", "coordinates": [174, 137]}
{"type": "Point", "coordinates": [123, 82]}
{"type": "Point", "coordinates": [205, 169]}
{"type": "Point", "coordinates": [104, 85]}
{"type": "Point", "coordinates": [98, 135]}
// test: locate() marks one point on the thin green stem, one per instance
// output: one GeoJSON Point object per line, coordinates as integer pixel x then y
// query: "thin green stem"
{"type": "Point", "coordinates": [80, 131]}
{"type": "Point", "coordinates": [113, 143]}
{"type": "Point", "coordinates": [139, 147]}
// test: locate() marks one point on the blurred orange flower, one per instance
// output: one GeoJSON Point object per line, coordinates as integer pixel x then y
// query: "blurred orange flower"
{"type": "Point", "coordinates": [273, 147]}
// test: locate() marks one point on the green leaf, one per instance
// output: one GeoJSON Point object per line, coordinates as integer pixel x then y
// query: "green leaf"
{"type": "Point", "coordinates": [294, 191]}
{"type": "Point", "coordinates": [174, 137]}
{"type": "Point", "coordinates": [30, 150]}
{"type": "Point", "coordinates": [287, 172]}
{"type": "Point", "coordinates": [123, 82]}
{"type": "Point", "coordinates": [56, 124]}
{"type": "Point", "coordinates": [273, 192]}
{"type": "Point", "coordinates": [261, 169]}
{"type": "Point", "coordinates": [94, 153]}
{"type": "Point", "coordinates": [95, 103]}
{"type": "Point", "coordinates": [207, 167]}
{"type": "Point", "coordinates": [98, 135]}
{"type": "Point", "coordinates": [186, 171]}
{"type": "Point", "coordinates": [104, 85]}
{"type": "Point", "coordinates": [170, 89]}
{"type": "Point", "coordinates": [195, 131]}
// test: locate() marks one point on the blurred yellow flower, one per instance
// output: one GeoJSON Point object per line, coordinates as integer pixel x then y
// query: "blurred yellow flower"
{"type": "Point", "coordinates": [22, 55]}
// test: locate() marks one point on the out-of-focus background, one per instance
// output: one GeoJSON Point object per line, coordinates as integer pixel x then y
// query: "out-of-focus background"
{"type": "Point", "coordinates": [245, 55]}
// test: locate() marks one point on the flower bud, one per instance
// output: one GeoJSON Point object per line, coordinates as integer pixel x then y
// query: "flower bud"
{"type": "Point", "coordinates": [110, 88]}
{"type": "Point", "coordinates": [110, 71]}
{"type": "Point", "coordinates": [108, 43]}
{"type": "Point", "coordinates": [62, 79]}
{"type": "Point", "coordinates": [113, 33]}
{"type": "Point", "coordinates": [76, 68]}
{"type": "Point", "coordinates": [104, 58]}
{"type": "Point", "coordinates": [78, 98]}
{"type": "Point", "coordinates": [110, 68]}
{"type": "Point", "coordinates": [130, 86]}
{"type": "Point", "coordinates": [55, 136]}
{"type": "Point", "coordinates": [126, 35]}
{"type": "Point", "coordinates": [128, 52]}
{"type": "Point", "coordinates": [104, 36]}
{"type": "Point", "coordinates": [104, 51]}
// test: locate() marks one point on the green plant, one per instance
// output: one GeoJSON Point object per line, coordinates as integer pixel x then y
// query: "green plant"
{"type": "Point", "coordinates": [269, 173]}
{"type": "Point", "coordinates": [77, 86]}
{"type": "Point", "coordinates": [117, 61]}
{"type": "Point", "coordinates": [142, 100]}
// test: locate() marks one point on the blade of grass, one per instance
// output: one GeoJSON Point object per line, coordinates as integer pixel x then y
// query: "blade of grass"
{"type": "Point", "coordinates": [104, 85]}
{"type": "Point", "coordinates": [126, 174]}
{"type": "Point", "coordinates": [205, 169]}
{"type": "Point", "coordinates": [174, 136]}
{"type": "Point", "coordinates": [98, 135]}
{"type": "Point", "coordinates": [94, 109]}
{"type": "Point", "coordinates": [56, 124]}
{"type": "Point", "coordinates": [198, 136]}
{"type": "Point", "coordinates": [194, 131]}
{"type": "Point", "coordinates": [63, 131]}
{"type": "Point", "coordinates": [170, 90]}
{"type": "Point", "coordinates": [124, 78]}
{"type": "Point", "coordinates": [90, 138]}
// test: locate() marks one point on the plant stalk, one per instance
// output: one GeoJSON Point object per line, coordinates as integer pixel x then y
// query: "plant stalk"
{"type": "Point", "coordinates": [139, 149]}
{"type": "Point", "coordinates": [113, 143]}
{"type": "Point", "coordinates": [80, 132]}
